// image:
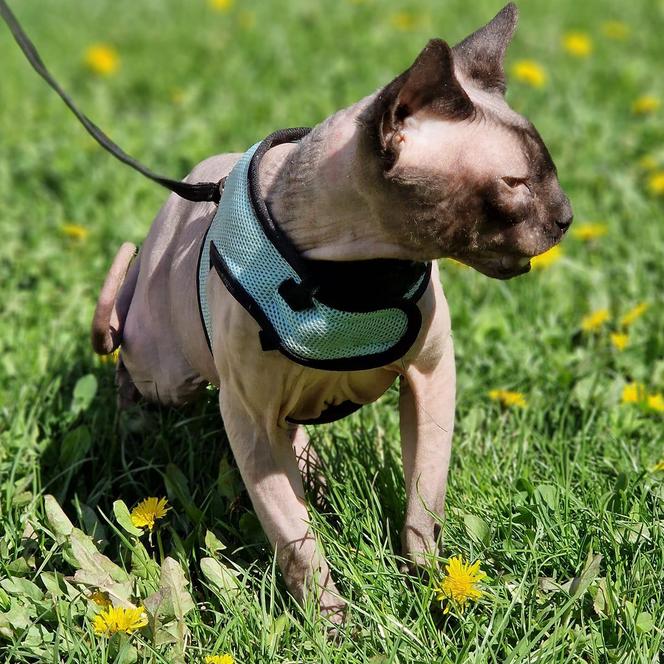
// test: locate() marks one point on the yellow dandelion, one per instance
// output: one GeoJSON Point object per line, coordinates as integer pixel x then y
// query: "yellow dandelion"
{"type": "Point", "coordinates": [459, 584]}
{"type": "Point", "coordinates": [648, 162]}
{"type": "Point", "coordinates": [75, 231]}
{"type": "Point", "coordinates": [619, 340]}
{"type": "Point", "coordinates": [111, 358]}
{"type": "Point", "coordinates": [219, 659]}
{"type": "Point", "coordinates": [656, 183]}
{"type": "Point", "coordinates": [148, 511]}
{"type": "Point", "coordinates": [177, 96]}
{"type": "Point", "coordinates": [102, 59]}
{"type": "Point", "coordinates": [615, 30]}
{"type": "Point", "coordinates": [509, 399]}
{"type": "Point", "coordinates": [646, 104]}
{"type": "Point", "coordinates": [117, 619]}
{"type": "Point", "coordinates": [633, 393]}
{"type": "Point", "coordinates": [100, 599]}
{"type": "Point", "coordinates": [247, 20]}
{"type": "Point", "coordinates": [547, 258]}
{"type": "Point", "coordinates": [589, 231]}
{"type": "Point", "coordinates": [221, 5]}
{"type": "Point", "coordinates": [633, 314]}
{"type": "Point", "coordinates": [578, 44]}
{"type": "Point", "coordinates": [403, 21]}
{"type": "Point", "coordinates": [655, 402]}
{"type": "Point", "coordinates": [529, 72]}
{"type": "Point", "coordinates": [658, 467]}
{"type": "Point", "coordinates": [595, 320]}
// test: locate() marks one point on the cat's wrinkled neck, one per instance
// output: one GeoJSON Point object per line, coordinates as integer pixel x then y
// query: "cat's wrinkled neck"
{"type": "Point", "coordinates": [318, 193]}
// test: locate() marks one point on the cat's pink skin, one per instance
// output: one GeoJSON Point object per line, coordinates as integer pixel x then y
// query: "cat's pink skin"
{"type": "Point", "coordinates": [435, 164]}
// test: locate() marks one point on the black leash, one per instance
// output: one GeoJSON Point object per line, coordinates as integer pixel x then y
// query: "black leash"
{"type": "Point", "coordinates": [200, 191]}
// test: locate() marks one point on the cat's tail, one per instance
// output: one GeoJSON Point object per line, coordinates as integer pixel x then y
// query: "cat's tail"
{"type": "Point", "coordinates": [114, 300]}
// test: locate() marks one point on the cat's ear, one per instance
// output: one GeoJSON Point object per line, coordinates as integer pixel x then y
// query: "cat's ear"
{"type": "Point", "coordinates": [480, 56]}
{"type": "Point", "coordinates": [428, 86]}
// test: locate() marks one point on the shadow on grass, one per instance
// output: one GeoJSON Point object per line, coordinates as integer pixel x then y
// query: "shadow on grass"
{"type": "Point", "coordinates": [98, 455]}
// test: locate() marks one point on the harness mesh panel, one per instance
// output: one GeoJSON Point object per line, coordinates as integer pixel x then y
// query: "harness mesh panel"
{"type": "Point", "coordinates": [318, 333]}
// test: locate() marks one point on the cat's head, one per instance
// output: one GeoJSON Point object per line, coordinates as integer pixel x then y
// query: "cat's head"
{"type": "Point", "coordinates": [461, 173]}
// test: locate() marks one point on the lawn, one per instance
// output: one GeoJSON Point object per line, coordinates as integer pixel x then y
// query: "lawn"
{"type": "Point", "coordinates": [557, 495]}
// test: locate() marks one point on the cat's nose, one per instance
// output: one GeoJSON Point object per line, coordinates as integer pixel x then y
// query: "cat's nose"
{"type": "Point", "coordinates": [564, 215]}
{"type": "Point", "coordinates": [565, 222]}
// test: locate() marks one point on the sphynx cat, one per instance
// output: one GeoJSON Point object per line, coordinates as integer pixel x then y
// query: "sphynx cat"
{"type": "Point", "coordinates": [435, 164]}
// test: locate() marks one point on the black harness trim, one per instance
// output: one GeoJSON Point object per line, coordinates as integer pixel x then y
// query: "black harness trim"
{"type": "Point", "coordinates": [197, 192]}
{"type": "Point", "coordinates": [270, 339]}
{"type": "Point", "coordinates": [352, 286]}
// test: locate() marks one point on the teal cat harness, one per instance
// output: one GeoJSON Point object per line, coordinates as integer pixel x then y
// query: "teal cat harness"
{"type": "Point", "coordinates": [300, 305]}
{"type": "Point", "coordinates": [333, 315]}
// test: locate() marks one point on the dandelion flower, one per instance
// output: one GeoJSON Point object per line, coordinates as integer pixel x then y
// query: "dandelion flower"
{"type": "Point", "coordinates": [219, 659]}
{"type": "Point", "coordinates": [74, 231]}
{"type": "Point", "coordinates": [646, 104]}
{"type": "Point", "coordinates": [148, 511]}
{"type": "Point", "coordinates": [633, 393]}
{"type": "Point", "coordinates": [221, 5]}
{"type": "Point", "coordinates": [509, 399]}
{"type": "Point", "coordinates": [633, 314]}
{"type": "Point", "coordinates": [102, 59]}
{"type": "Point", "coordinates": [529, 72]}
{"type": "Point", "coordinates": [655, 402]}
{"type": "Point", "coordinates": [589, 231]}
{"type": "Point", "coordinates": [648, 162]}
{"type": "Point", "coordinates": [177, 96]}
{"type": "Point", "coordinates": [111, 358]}
{"type": "Point", "coordinates": [547, 258]}
{"type": "Point", "coordinates": [658, 467]}
{"type": "Point", "coordinates": [595, 320]}
{"type": "Point", "coordinates": [117, 619]}
{"type": "Point", "coordinates": [403, 21]}
{"type": "Point", "coordinates": [247, 20]}
{"type": "Point", "coordinates": [459, 584]}
{"type": "Point", "coordinates": [619, 340]}
{"type": "Point", "coordinates": [656, 183]}
{"type": "Point", "coordinates": [615, 30]}
{"type": "Point", "coordinates": [578, 44]}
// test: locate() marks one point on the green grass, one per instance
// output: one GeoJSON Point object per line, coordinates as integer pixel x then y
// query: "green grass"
{"type": "Point", "coordinates": [536, 494]}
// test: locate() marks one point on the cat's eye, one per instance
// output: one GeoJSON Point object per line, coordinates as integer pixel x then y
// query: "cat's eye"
{"type": "Point", "coordinates": [515, 182]}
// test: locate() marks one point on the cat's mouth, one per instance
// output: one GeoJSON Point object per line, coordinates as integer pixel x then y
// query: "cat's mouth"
{"type": "Point", "coordinates": [501, 266]}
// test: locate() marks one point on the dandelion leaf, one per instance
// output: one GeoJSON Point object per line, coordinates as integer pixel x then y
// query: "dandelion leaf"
{"type": "Point", "coordinates": [547, 495]}
{"type": "Point", "coordinates": [644, 622]}
{"type": "Point", "coordinates": [223, 579]}
{"type": "Point", "coordinates": [477, 528]}
{"type": "Point", "coordinates": [60, 524]}
{"type": "Point", "coordinates": [174, 581]}
{"type": "Point", "coordinates": [89, 559]}
{"type": "Point", "coordinates": [75, 445]}
{"type": "Point", "coordinates": [84, 392]}
{"type": "Point", "coordinates": [123, 517]}
{"type": "Point", "coordinates": [212, 543]}
{"type": "Point", "coordinates": [97, 571]}
{"type": "Point", "coordinates": [18, 618]}
{"type": "Point", "coordinates": [143, 566]}
{"type": "Point", "coordinates": [22, 588]}
{"type": "Point", "coordinates": [588, 574]}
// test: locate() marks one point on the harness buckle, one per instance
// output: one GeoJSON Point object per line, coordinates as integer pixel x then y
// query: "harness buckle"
{"type": "Point", "coordinates": [298, 296]}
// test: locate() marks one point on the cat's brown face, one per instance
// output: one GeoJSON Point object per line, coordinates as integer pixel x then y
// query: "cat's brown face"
{"type": "Point", "coordinates": [467, 176]}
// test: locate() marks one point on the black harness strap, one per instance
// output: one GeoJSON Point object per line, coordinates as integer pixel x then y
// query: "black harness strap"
{"type": "Point", "coordinates": [200, 191]}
